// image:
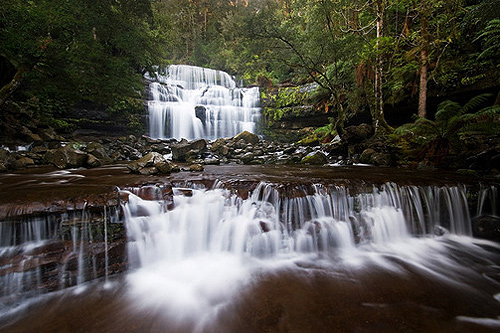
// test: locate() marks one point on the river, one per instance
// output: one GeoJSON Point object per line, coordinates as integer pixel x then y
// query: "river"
{"type": "Point", "coordinates": [249, 249]}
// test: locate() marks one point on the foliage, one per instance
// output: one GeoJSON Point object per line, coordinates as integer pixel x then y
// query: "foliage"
{"type": "Point", "coordinates": [437, 140]}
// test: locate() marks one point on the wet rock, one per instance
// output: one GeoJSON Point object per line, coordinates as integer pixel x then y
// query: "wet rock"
{"type": "Point", "coordinates": [152, 163]}
{"type": "Point", "coordinates": [196, 167]}
{"type": "Point", "coordinates": [30, 136]}
{"type": "Point", "coordinates": [180, 150]}
{"type": "Point", "coordinates": [366, 156]}
{"type": "Point", "coordinates": [211, 161]}
{"type": "Point", "coordinates": [316, 157]}
{"type": "Point", "coordinates": [66, 157]}
{"type": "Point", "coordinates": [25, 161]}
{"type": "Point", "coordinates": [201, 113]}
{"type": "Point", "coordinates": [487, 227]}
{"type": "Point", "coordinates": [357, 134]}
{"type": "Point", "coordinates": [381, 159]}
{"type": "Point", "coordinates": [164, 167]}
{"type": "Point", "coordinates": [247, 158]}
{"type": "Point", "coordinates": [93, 162]}
{"type": "Point", "coordinates": [148, 171]}
{"type": "Point", "coordinates": [247, 137]}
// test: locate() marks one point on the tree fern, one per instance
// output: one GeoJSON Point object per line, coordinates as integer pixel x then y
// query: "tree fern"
{"type": "Point", "coordinates": [491, 39]}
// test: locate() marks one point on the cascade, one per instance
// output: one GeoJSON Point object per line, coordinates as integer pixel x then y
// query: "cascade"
{"type": "Point", "coordinates": [46, 253]}
{"type": "Point", "coordinates": [269, 224]}
{"type": "Point", "coordinates": [209, 259]}
{"type": "Point", "coordinates": [193, 102]}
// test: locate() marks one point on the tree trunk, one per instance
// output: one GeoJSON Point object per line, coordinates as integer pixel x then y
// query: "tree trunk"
{"type": "Point", "coordinates": [8, 89]}
{"type": "Point", "coordinates": [422, 94]}
{"type": "Point", "coordinates": [378, 110]}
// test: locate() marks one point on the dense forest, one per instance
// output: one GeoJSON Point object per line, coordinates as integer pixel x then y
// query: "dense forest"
{"type": "Point", "coordinates": [433, 59]}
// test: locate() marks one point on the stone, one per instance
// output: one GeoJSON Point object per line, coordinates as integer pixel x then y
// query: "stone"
{"type": "Point", "coordinates": [66, 157]}
{"type": "Point", "coordinates": [25, 161]}
{"type": "Point", "coordinates": [247, 136]}
{"type": "Point", "coordinates": [381, 159]}
{"type": "Point", "coordinates": [180, 150]}
{"type": "Point", "coordinates": [366, 156]}
{"type": "Point", "coordinates": [146, 161]}
{"type": "Point", "coordinates": [201, 113]}
{"type": "Point", "coordinates": [148, 171]}
{"type": "Point", "coordinates": [487, 227]}
{"type": "Point", "coordinates": [357, 134]}
{"type": "Point", "coordinates": [164, 167]}
{"type": "Point", "coordinates": [93, 162]}
{"type": "Point", "coordinates": [247, 158]}
{"type": "Point", "coordinates": [316, 157]}
{"type": "Point", "coordinates": [196, 167]}
{"type": "Point", "coordinates": [211, 161]}
{"type": "Point", "coordinates": [218, 144]}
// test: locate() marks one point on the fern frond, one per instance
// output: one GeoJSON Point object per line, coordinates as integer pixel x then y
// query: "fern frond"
{"type": "Point", "coordinates": [491, 111]}
{"type": "Point", "coordinates": [475, 103]}
{"type": "Point", "coordinates": [447, 109]}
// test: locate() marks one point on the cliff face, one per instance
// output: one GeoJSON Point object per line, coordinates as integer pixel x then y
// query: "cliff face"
{"type": "Point", "coordinates": [292, 112]}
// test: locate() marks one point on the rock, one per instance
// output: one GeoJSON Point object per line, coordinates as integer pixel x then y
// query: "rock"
{"type": "Point", "coordinates": [196, 167]}
{"type": "Point", "coordinates": [201, 113]}
{"type": "Point", "coordinates": [25, 161]}
{"type": "Point", "coordinates": [211, 161]}
{"type": "Point", "coordinates": [247, 158]}
{"type": "Point", "coordinates": [146, 161]}
{"type": "Point", "coordinates": [366, 156]}
{"type": "Point", "coordinates": [30, 136]}
{"type": "Point", "coordinates": [148, 171]}
{"type": "Point", "coordinates": [179, 150]}
{"type": "Point", "coordinates": [218, 144]}
{"type": "Point", "coordinates": [316, 157]}
{"type": "Point", "coordinates": [487, 226]}
{"type": "Point", "coordinates": [151, 164]}
{"type": "Point", "coordinates": [381, 159]}
{"type": "Point", "coordinates": [247, 136]}
{"type": "Point", "coordinates": [93, 162]}
{"type": "Point", "coordinates": [66, 157]}
{"type": "Point", "coordinates": [357, 134]}
{"type": "Point", "coordinates": [48, 134]}
{"type": "Point", "coordinates": [164, 167]}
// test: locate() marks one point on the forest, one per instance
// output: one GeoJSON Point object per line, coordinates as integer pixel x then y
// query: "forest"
{"type": "Point", "coordinates": [430, 65]}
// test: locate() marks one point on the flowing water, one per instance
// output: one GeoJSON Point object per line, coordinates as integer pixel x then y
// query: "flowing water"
{"type": "Point", "coordinates": [287, 258]}
{"type": "Point", "coordinates": [193, 102]}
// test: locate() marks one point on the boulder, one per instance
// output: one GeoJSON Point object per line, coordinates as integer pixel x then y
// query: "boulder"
{"type": "Point", "coordinates": [152, 163]}
{"type": "Point", "coordinates": [316, 157]}
{"type": "Point", "coordinates": [247, 136]}
{"type": "Point", "coordinates": [201, 113]}
{"type": "Point", "coordinates": [146, 161]}
{"type": "Point", "coordinates": [93, 162]}
{"type": "Point", "coordinates": [25, 161]}
{"type": "Point", "coordinates": [196, 167]}
{"type": "Point", "coordinates": [487, 227]}
{"type": "Point", "coordinates": [180, 150]}
{"type": "Point", "coordinates": [247, 158]}
{"type": "Point", "coordinates": [357, 134]}
{"type": "Point", "coordinates": [66, 157]}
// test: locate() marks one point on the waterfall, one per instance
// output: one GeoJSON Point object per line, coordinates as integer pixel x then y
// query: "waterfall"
{"type": "Point", "coordinates": [269, 224]}
{"type": "Point", "coordinates": [193, 102]}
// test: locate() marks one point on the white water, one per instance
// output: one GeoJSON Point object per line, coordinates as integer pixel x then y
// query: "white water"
{"type": "Point", "coordinates": [191, 261]}
{"type": "Point", "coordinates": [193, 102]}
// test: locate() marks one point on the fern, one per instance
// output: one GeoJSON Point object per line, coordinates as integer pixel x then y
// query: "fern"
{"type": "Point", "coordinates": [474, 103]}
{"type": "Point", "coordinates": [491, 38]}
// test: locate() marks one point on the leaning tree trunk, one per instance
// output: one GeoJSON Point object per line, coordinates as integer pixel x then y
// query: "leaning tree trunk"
{"type": "Point", "coordinates": [8, 89]}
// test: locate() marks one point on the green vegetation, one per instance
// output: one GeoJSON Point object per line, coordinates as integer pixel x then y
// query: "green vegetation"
{"type": "Point", "coordinates": [362, 55]}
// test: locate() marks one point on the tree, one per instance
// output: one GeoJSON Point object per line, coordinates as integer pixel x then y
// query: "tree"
{"type": "Point", "coordinates": [77, 50]}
